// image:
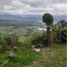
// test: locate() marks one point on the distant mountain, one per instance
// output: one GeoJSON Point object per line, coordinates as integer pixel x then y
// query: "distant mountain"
{"type": "Point", "coordinates": [29, 17]}
{"type": "Point", "coordinates": [19, 17]}
{"type": "Point", "coordinates": [25, 20]}
{"type": "Point", "coordinates": [60, 17]}
{"type": "Point", "coordinates": [20, 20]}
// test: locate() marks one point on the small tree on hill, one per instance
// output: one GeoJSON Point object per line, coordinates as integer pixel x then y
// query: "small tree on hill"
{"type": "Point", "coordinates": [48, 19]}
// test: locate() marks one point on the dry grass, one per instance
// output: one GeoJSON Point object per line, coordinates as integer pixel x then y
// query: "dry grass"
{"type": "Point", "coordinates": [53, 56]}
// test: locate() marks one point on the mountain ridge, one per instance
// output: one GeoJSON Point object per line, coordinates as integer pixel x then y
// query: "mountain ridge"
{"type": "Point", "coordinates": [29, 16]}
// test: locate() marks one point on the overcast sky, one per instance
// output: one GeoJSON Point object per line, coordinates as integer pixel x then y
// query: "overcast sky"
{"type": "Point", "coordinates": [55, 7]}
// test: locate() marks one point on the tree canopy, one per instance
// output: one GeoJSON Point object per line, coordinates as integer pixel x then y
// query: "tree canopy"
{"type": "Point", "coordinates": [47, 18]}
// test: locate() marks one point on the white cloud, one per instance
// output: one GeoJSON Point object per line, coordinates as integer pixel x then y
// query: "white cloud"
{"type": "Point", "coordinates": [18, 4]}
{"type": "Point", "coordinates": [6, 7]}
{"type": "Point", "coordinates": [55, 7]}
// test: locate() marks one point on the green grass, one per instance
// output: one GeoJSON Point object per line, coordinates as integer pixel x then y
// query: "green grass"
{"type": "Point", "coordinates": [25, 56]}
{"type": "Point", "coordinates": [53, 56]}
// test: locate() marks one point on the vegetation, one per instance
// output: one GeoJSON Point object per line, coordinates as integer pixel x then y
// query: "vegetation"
{"type": "Point", "coordinates": [48, 19]}
{"type": "Point", "coordinates": [24, 56]}
{"type": "Point", "coordinates": [62, 23]}
{"type": "Point", "coordinates": [16, 46]}
{"type": "Point", "coordinates": [37, 39]}
{"type": "Point", "coordinates": [53, 56]}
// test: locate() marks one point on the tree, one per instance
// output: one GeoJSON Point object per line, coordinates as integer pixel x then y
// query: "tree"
{"type": "Point", "coordinates": [62, 23]}
{"type": "Point", "coordinates": [62, 26]}
{"type": "Point", "coordinates": [48, 19]}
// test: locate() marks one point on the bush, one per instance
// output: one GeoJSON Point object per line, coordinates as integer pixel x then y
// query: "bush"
{"type": "Point", "coordinates": [8, 41]}
{"type": "Point", "coordinates": [58, 34]}
{"type": "Point", "coordinates": [37, 39]}
{"type": "Point", "coordinates": [55, 34]}
{"type": "Point", "coordinates": [63, 36]}
{"type": "Point", "coordinates": [2, 45]}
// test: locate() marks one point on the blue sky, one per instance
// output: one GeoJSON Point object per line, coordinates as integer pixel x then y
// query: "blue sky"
{"type": "Point", "coordinates": [55, 7]}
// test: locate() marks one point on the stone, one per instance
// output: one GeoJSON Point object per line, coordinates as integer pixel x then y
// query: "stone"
{"type": "Point", "coordinates": [12, 55]}
{"type": "Point", "coordinates": [15, 49]}
{"type": "Point", "coordinates": [37, 50]}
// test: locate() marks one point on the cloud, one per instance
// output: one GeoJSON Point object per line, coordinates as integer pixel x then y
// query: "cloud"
{"type": "Point", "coordinates": [55, 7]}
{"type": "Point", "coordinates": [18, 3]}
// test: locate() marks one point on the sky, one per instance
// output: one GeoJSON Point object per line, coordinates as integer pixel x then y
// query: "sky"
{"type": "Point", "coordinates": [55, 7]}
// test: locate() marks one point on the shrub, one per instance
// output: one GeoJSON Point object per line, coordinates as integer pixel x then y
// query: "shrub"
{"type": "Point", "coordinates": [37, 39]}
{"type": "Point", "coordinates": [10, 41]}
{"type": "Point", "coordinates": [58, 34]}
{"type": "Point", "coordinates": [2, 45]}
{"type": "Point", "coordinates": [55, 34]}
{"type": "Point", "coordinates": [63, 35]}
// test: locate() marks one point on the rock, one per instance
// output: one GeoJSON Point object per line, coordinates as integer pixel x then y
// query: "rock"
{"type": "Point", "coordinates": [15, 49]}
{"type": "Point", "coordinates": [12, 55]}
{"type": "Point", "coordinates": [37, 50]}
{"type": "Point", "coordinates": [33, 46]}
